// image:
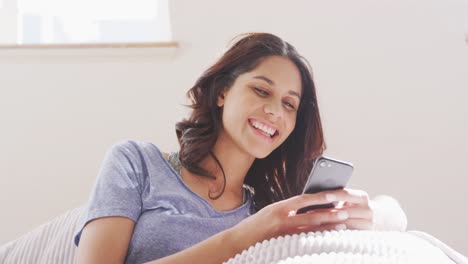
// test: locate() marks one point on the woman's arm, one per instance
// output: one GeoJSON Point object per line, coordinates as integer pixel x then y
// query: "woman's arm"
{"type": "Point", "coordinates": [216, 249]}
{"type": "Point", "coordinates": [105, 240]}
{"type": "Point", "coordinates": [272, 221]}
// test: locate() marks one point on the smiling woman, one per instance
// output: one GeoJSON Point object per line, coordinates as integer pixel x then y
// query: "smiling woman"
{"type": "Point", "coordinates": [101, 21]}
{"type": "Point", "coordinates": [248, 144]}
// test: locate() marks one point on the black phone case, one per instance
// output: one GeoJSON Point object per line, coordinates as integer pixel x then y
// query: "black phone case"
{"type": "Point", "coordinates": [333, 176]}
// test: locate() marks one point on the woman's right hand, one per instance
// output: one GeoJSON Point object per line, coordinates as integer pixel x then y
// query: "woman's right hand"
{"type": "Point", "coordinates": [279, 219]}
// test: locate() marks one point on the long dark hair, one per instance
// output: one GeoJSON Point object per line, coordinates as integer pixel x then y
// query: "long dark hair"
{"type": "Point", "coordinates": [283, 173]}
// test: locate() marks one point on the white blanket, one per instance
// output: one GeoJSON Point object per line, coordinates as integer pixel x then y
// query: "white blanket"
{"type": "Point", "coordinates": [53, 243]}
{"type": "Point", "coordinates": [348, 247]}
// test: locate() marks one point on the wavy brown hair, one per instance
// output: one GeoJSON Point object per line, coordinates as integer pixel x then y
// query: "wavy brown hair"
{"type": "Point", "coordinates": [283, 173]}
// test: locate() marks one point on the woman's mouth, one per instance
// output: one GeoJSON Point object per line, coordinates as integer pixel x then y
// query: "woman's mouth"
{"type": "Point", "coordinates": [263, 130]}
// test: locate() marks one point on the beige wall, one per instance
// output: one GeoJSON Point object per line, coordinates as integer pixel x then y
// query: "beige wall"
{"type": "Point", "coordinates": [392, 82]}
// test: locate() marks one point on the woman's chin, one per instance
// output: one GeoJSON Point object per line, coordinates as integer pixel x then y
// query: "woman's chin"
{"type": "Point", "coordinates": [261, 154]}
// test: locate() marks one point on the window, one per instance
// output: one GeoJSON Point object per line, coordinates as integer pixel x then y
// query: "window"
{"type": "Point", "coordinates": [89, 21]}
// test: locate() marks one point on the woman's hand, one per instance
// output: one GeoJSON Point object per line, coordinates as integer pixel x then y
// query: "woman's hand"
{"type": "Point", "coordinates": [279, 219]}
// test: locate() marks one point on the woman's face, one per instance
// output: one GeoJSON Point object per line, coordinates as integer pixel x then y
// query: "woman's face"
{"type": "Point", "coordinates": [260, 108]}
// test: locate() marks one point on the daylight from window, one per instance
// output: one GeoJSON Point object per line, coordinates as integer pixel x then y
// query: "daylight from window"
{"type": "Point", "coordinates": [92, 21]}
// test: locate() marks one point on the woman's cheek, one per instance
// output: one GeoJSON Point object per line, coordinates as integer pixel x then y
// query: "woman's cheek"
{"type": "Point", "coordinates": [291, 127]}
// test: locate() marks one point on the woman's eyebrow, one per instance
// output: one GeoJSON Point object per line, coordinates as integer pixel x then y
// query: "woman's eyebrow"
{"type": "Point", "coordinates": [266, 79]}
{"type": "Point", "coordinates": [271, 82]}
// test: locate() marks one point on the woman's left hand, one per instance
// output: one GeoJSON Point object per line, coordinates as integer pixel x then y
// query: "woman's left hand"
{"type": "Point", "coordinates": [359, 215]}
{"type": "Point", "coordinates": [382, 213]}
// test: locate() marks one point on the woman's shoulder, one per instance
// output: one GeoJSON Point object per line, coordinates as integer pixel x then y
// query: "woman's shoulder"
{"type": "Point", "coordinates": [138, 147]}
{"type": "Point", "coordinates": [134, 144]}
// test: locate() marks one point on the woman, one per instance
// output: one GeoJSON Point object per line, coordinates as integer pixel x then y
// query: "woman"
{"type": "Point", "coordinates": [245, 153]}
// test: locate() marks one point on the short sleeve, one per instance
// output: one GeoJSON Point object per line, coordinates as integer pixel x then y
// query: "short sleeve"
{"type": "Point", "coordinates": [118, 187]}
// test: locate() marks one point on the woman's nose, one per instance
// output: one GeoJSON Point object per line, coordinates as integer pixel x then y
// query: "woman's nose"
{"type": "Point", "coordinates": [273, 109]}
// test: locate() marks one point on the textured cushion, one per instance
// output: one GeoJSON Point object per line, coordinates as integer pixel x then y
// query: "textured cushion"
{"type": "Point", "coordinates": [49, 243]}
{"type": "Point", "coordinates": [344, 247]}
{"type": "Point", "coordinates": [53, 243]}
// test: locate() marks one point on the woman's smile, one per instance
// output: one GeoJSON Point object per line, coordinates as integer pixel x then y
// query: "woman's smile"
{"type": "Point", "coordinates": [266, 132]}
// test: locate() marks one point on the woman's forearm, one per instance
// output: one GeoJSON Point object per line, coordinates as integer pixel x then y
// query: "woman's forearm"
{"type": "Point", "coordinates": [216, 249]}
{"type": "Point", "coordinates": [388, 215]}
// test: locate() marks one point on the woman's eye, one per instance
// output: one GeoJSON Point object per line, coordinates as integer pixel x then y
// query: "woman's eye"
{"type": "Point", "coordinates": [260, 91]}
{"type": "Point", "coordinates": [289, 106]}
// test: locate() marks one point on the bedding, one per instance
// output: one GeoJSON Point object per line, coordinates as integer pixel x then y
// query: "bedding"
{"type": "Point", "coordinates": [53, 243]}
{"type": "Point", "coordinates": [349, 246]}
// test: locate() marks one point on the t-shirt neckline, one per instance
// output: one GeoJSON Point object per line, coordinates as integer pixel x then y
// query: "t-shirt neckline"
{"type": "Point", "coordinates": [179, 178]}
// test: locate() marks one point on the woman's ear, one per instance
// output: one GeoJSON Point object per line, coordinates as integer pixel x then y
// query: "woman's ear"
{"type": "Point", "coordinates": [221, 99]}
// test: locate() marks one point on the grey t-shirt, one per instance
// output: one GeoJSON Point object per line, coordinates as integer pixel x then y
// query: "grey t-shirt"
{"type": "Point", "coordinates": [135, 181]}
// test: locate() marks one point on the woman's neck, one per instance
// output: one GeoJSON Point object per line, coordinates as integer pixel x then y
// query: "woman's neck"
{"type": "Point", "coordinates": [235, 162]}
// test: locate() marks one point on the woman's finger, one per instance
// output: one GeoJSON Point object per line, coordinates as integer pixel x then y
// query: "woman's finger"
{"type": "Point", "coordinates": [326, 227]}
{"type": "Point", "coordinates": [347, 195]}
{"type": "Point", "coordinates": [359, 196]}
{"type": "Point", "coordinates": [350, 224]}
{"type": "Point", "coordinates": [307, 229]}
{"type": "Point", "coordinates": [326, 216]}
{"type": "Point", "coordinates": [355, 217]}
{"type": "Point", "coordinates": [359, 224]}
{"type": "Point", "coordinates": [358, 211]}
{"type": "Point", "coordinates": [316, 218]}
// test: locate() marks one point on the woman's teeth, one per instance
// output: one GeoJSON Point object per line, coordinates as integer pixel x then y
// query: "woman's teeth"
{"type": "Point", "coordinates": [267, 130]}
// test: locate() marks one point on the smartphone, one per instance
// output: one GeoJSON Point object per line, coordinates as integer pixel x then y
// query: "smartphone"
{"type": "Point", "coordinates": [326, 174]}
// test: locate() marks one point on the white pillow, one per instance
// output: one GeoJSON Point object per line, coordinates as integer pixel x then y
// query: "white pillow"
{"type": "Point", "coordinates": [345, 246]}
{"type": "Point", "coordinates": [49, 243]}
